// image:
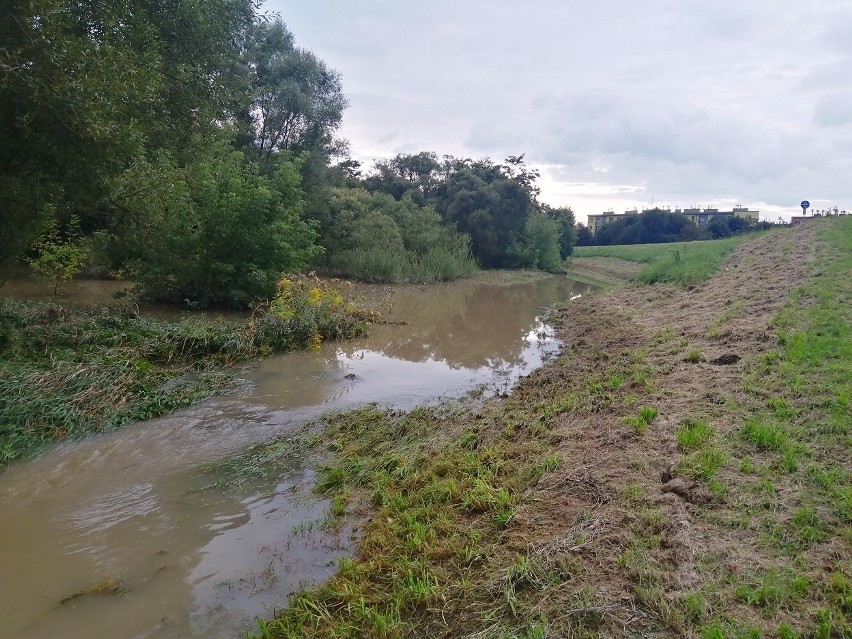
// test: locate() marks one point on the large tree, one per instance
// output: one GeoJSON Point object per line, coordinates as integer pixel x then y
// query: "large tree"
{"type": "Point", "coordinates": [495, 204]}
{"type": "Point", "coordinates": [212, 231]}
{"type": "Point", "coordinates": [297, 101]}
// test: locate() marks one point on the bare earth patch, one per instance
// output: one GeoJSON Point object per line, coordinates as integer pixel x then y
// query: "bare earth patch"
{"type": "Point", "coordinates": [643, 519]}
{"type": "Point", "coordinates": [603, 269]}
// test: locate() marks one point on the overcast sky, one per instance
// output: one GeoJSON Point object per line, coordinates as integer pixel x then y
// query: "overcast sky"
{"type": "Point", "coordinates": [619, 103]}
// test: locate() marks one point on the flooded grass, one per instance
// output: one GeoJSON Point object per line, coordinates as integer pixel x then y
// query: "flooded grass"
{"type": "Point", "coordinates": [440, 493]}
{"type": "Point", "coordinates": [66, 372]}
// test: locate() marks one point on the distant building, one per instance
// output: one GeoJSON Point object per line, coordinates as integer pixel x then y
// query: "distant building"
{"type": "Point", "coordinates": [699, 217]}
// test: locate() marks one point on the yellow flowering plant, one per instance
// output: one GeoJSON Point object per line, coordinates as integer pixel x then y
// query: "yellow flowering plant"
{"type": "Point", "coordinates": [307, 311]}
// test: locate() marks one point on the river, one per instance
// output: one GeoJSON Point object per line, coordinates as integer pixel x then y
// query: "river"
{"type": "Point", "coordinates": [125, 533]}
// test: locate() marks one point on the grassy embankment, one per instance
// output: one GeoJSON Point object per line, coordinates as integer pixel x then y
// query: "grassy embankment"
{"type": "Point", "coordinates": [682, 263]}
{"type": "Point", "coordinates": [65, 372]}
{"type": "Point", "coordinates": [472, 524]}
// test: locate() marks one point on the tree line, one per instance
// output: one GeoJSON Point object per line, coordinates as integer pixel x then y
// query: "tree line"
{"type": "Point", "coordinates": [194, 149]}
{"type": "Point", "coordinates": [656, 226]}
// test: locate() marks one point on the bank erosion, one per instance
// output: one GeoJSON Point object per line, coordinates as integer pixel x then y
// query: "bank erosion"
{"type": "Point", "coordinates": [683, 469]}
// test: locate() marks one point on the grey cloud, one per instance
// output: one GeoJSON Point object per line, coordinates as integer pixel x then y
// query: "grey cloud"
{"type": "Point", "coordinates": [833, 110]}
{"type": "Point", "coordinates": [693, 101]}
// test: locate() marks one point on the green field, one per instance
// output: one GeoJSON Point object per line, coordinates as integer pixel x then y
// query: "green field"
{"type": "Point", "coordinates": [682, 263]}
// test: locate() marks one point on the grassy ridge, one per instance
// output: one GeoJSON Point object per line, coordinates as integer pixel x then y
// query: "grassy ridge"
{"type": "Point", "coordinates": [682, 263]}
{"type": "Point", "coordinates": [442, 554]}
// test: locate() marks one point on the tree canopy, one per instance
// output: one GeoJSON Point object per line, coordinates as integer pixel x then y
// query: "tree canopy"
{"type": "Point", "coordinates": [195, 148]}
{"type": "Point", "coordinates": [495, 204]}
{"type": "Point", "coordinates": [89, 88]}
{"type": "Point", "coordinates": [656, 226]}
{"type": "Point", "coordinates": [649, 227]}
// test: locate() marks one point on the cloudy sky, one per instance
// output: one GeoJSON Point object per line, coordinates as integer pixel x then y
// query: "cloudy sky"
{"type": "Point", "coordinates": [619, 103]}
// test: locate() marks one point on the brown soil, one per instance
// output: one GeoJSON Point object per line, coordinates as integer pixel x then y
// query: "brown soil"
{"type": "Point", "coordinates": [614, 480]}
{"type": "Point", "coordinates": [607, 270]}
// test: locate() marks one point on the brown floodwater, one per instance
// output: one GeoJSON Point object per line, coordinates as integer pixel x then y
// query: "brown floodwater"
{"type": "Point", "coordinates": [127, 533]}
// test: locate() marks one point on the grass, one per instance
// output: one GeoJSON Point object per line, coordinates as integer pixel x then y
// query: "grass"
{"type": "Point", "coordinates": [681, 263]}
{"type": "Point", "coordinates": [643, 419]}
{"type": "Point", "coordinates": [66, 372]}
{"type": "Point", "coordinates": [694, 434]}
{"type": "Point", "coordinates": [438, 513]}
{"type": "Point", "coordinates": [457, 501]}
{"type": "Point", "coordinates": [795, 435]}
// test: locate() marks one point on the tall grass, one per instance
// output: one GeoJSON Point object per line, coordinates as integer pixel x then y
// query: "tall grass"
{"type": "Point", "coordinates": [681, 263]}
{"type": "Point", "coordinates": [436, 264]}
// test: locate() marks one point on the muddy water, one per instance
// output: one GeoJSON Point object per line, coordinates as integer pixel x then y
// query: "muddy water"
{"type": "Point", "coordinates": [126, 533]}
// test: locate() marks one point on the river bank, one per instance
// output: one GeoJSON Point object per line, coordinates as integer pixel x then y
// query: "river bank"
{"type": "Point", "coordinates": [681, 470]}
{"type": "Point", "coordinates": [180, 526]}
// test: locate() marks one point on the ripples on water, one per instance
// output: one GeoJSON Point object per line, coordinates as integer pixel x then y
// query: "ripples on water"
{"type": "Point", "coordinates": [136, 506]}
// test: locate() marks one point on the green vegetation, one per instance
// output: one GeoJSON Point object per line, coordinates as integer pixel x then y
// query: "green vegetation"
{"type": "Point", "coordinates": [681, 263]}
{"type": "Point", "coordinates": [494, 204]}
{"type": "Point", "coordinates": [57, 259]}
{"type": "Point", "coordinates": [377, 238]}
{"type": "Point", "coordinates": [659, 226]}
{"type": "Point", "coordinates": [795, 442]}
{"type": "Point", "coordinates": [641, 421]}
{"type": "Point", "coordinates": [694, 434]}
{"type": "Point", "coordinates": [201, 159]}
{"type": "Point", "coordinates": [440, 508]}
{"type": "Point", "coordinates": [465, 533]}
{"type": "Point", "coordinates": [64, 372]}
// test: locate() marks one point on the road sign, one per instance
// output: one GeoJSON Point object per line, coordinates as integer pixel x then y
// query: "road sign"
{"type": "Point", "coordinates": [805, 204]}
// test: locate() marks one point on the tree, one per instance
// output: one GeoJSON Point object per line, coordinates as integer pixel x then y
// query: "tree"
{"type": "Point", "coordinates": [584, 235]}
{"type": "Point", "coordinates": [375, 237]}
{"type": "Point", "coordinates": [649, 227]}
{"type": "Point", "coordinates": [107, 82]}
{"type": "Point", "coordinates": [219, 233]}
{"type": "Point", "coordinates": [58, 258]}
{"type": "Point", "coordinates": [564, 218]}
{"type": "Point", "coordinates": [297, 101]}
{"type": "Point", "coordinates": [492, 203]}
{"type": "Point", "coordinates": [538, 247]}
{"type": "Point", "coordinates": [414, 175]}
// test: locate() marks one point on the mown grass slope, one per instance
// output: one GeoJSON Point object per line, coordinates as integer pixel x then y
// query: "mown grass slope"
{"type": "Point", "coordinates": [682, 470]}
{"type": "Point", "coordinates": [682, 263]}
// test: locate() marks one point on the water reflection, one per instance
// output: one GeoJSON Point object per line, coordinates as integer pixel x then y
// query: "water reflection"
{"type": "Point", "coordinates": [174, 556]}
{"type": "Point", "coordinates": [136, 507]}
{"type": "Point", "coordinates": [454, 338]}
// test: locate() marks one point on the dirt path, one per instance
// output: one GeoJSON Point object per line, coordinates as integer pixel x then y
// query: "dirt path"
{"type": "Point", "coordinates": [641, 530]}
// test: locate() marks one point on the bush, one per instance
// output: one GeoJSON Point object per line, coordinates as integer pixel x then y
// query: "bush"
{"type": "Point", "coordinates": [220, 234]}
{"type": "Point", "coordinates": [378, 239]}
{"type": "Point", "coordinates": [307, 311]}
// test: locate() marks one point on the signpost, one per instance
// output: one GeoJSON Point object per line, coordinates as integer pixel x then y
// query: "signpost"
{"type": "Point", "coordinates": [805, 205]}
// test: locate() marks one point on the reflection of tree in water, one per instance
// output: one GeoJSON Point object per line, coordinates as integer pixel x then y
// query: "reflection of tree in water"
{"type": "Point", "coordinates": [471, 325]}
